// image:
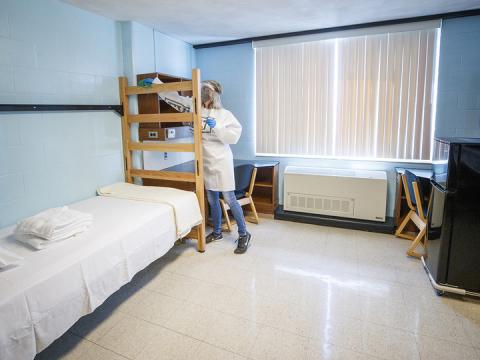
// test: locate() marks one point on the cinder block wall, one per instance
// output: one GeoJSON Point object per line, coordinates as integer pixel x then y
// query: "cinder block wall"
{"type": "Point", "coordinates": [458, 109]}
{"type": "Point", "coordinates": [53, 53]}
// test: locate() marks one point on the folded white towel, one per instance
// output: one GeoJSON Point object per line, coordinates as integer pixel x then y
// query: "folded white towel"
{"type": "Point", "coordinates": [40, 244]}
{"type": "Point", "coordinates": [8, 258]}
{"type": "Point", "coordinates": [54, 224]}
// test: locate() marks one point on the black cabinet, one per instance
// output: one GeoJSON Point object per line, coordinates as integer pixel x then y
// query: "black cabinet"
{"type": "Point", "coordinates": [454, 215]}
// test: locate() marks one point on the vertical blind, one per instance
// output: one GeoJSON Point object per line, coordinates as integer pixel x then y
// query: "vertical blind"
{"type": "Point", "coordinates": [368, 96]}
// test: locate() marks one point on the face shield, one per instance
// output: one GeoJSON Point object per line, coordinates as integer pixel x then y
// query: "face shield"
{"type": "Point", "coordinates": [210, 94]}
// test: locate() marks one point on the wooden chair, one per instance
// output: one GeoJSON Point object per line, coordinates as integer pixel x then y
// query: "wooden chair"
{"type": "Point", "coordinates": [244, 181]}
{"type": "Point", "coordinates": [417, 214]}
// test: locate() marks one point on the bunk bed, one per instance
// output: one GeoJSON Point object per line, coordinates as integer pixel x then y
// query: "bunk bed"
{"type": "Point", "coordinates": [176, 179]}
{"type": "Point", "coordinates": [53, 288]}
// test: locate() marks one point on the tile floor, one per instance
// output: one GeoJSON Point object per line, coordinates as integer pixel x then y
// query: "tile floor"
{"type": "Point", "coordinates": [300, 292]}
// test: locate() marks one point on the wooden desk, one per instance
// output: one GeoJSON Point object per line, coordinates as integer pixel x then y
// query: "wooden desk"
{"type": "Point", "coordinates": [401, 207]}
{"type": "Point", "coordinates": [265, 193]}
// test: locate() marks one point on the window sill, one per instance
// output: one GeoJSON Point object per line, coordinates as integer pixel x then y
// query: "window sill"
{"type": "Point", "coordinates": [346, 158]}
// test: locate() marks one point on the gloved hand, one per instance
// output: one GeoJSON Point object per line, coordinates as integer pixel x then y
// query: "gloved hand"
{"type": "Point", "coordinates": [211, 122]}
{"type": "Point", "coordinates": [145, 82]}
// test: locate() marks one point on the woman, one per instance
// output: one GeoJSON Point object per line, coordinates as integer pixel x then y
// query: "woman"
{"type": "Point", "coordinates": [220, 129]}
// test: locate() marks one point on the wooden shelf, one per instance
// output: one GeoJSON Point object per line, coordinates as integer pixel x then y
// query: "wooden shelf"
{"type": "Point", "coordinates": [151, 104]}
{"type": "Point", "coordinates": [264, 200]}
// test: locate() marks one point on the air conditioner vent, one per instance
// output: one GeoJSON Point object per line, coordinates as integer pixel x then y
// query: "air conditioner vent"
{"type": "Point", "coordinates": [349, 193]}
{"type": "Point", "coordinates": [336, 205]}
{"type": "Point", "coordinates": [293, 200]}
{"type": "Point", "coordinates": [327, 204]}
{"type": "Point", "coordinates": [310, 203]}
{"type": "Point", "coordinates": [301, 202]}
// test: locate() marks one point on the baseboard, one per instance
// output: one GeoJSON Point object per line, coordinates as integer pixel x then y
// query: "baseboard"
{"type": "Point", "coordinates": [386, 227]}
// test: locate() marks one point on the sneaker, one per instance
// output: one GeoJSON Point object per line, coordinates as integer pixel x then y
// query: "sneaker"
{"type": "Point", "coordinates": [243, 242]}
{"type": "Point", "coordinates": [213, 237]}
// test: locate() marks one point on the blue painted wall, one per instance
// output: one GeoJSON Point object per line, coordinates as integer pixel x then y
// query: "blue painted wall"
{"type": "Point", "coordinates": [51, 52]}
{"type": "Point", "coordinates": [46, 56]}
{"type": "Point", "coordinates": [458, 101]}
{"type": "Point", "coordinates": [173, 56]}
{"type": "Point", "coordinates": [177, 58]}
{"type": "Point", "coordinates": [145, 51]}
{"type": "Point", "coordinates": [234, 67]}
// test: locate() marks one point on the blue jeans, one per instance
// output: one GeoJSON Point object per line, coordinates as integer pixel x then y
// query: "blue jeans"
{"type": "Point", "coordinates": [216, 211]}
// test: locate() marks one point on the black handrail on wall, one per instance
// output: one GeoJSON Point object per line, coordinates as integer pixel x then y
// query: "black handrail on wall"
{"type": "Point", "coordinates": [45, 107]}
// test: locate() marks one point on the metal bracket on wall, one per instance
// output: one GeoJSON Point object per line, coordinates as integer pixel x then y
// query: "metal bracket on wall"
{"type": "Point", "coordinates": [44, 107]}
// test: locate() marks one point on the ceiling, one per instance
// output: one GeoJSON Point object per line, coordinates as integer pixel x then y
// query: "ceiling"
{"type": "Point", "coordinates": [204, 21]}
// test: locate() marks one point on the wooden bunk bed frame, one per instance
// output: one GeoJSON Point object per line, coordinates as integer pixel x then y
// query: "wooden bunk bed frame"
{"type": "Point", "coordinates": [195, 117]}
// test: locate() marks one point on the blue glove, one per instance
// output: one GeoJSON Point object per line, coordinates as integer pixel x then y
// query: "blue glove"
{"type": "Point", "coordinates": [211, 122]}
{"type": "Point", "coordinates": [145, 82]}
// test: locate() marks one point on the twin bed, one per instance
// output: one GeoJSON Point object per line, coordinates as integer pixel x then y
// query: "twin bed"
{"type": "Point", "coordinates": [51, 289]}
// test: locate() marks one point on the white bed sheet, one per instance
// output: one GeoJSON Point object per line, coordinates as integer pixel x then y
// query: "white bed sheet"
{"type": "Point", "coordinates": [53, 288]}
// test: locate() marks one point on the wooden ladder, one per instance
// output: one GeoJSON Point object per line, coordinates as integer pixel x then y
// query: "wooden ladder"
{"type": "Point", "coordinates": [196, 147]}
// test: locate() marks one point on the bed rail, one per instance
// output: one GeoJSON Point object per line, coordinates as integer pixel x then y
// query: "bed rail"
{"type": "Point", "coordinates": [195, 147]}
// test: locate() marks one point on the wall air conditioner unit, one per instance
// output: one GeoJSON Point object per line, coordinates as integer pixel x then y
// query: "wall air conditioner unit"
{"type": "Point", "coordinates": [357, 194]}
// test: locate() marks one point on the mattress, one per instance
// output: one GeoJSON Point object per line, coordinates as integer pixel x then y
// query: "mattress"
{"type": "Point", "coordinates": [53, 288]}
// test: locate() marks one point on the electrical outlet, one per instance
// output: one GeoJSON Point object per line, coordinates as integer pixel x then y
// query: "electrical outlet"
{"type": "Point", "coordinates": [165, 156]}
{"type": "Point", "coordinates": [170, 133]}
{"type": "Point", "coordinates": [153, 134]}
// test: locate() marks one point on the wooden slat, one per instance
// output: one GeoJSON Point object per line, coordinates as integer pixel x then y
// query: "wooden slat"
{"type": "Point", "coordinates": [197, 136]}
{"type": "Point", "coordinates": [163, 175]}
{"type": "Point", "coordinates": [167, 147]}
{"type": "Point", "coordinates": [155, 88]}
{"type": "Point", "coordinates": [127, 156]}
{"type": "Point", "coordinates": [161, 118]}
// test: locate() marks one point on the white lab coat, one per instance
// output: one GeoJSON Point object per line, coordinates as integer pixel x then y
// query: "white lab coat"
{"type": "Point", "coordinates": [217, 155]}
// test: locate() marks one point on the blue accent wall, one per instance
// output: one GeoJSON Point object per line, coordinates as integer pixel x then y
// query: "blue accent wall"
{"type": "Point", "coordinates": [51, 52]}
{"type": "Point", "coordinates": [145, 50]}
{"type": "Point", "coordinates": [458, 110]}
{"type": "Point", "coordinates": [234, 67]}
{"type": "Point", "coordinates": [173, 56]}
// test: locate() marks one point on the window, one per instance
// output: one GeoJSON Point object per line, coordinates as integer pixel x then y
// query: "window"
{"type": "Point", "coordinates": [354, 96]}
